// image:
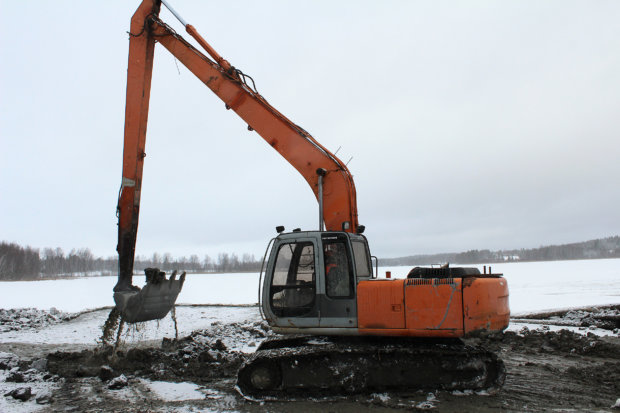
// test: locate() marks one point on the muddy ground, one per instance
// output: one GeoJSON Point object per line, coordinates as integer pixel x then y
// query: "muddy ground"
{"type": "Point", "coordinates": [546, 371]}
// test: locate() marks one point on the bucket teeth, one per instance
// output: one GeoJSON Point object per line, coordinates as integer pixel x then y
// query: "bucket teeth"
{"type": "Point", "coordinates": [154, 301]}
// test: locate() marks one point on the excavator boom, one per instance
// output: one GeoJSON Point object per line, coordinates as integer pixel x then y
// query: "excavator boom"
{"type": "Point", "coordinates": [296, 145]}
{"type": "Point", "coordinates": [323, 171]}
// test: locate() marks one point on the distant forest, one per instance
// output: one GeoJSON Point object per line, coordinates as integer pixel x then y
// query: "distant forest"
{"type": "Point", "coordinates": [593, 249]}
{"type": "Point", "coordinates": [27, 263]}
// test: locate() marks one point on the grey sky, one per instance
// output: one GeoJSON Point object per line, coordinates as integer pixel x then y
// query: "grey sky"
{"type": "Point", "coordinates": [471, 124]}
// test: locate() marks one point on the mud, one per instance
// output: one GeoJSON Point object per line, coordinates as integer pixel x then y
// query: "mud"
{"type": "Point", "coordinates": [188, 359]}
{"type": "Point", "coordinates": [546, 371]}
{"type": "Point", "coordinates": [111, 327]}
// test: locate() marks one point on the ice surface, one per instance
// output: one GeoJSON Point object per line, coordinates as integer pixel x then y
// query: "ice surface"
{"type": "Point", "coordinates": [95, 292]}
{"type": "Point", "coordinates": [534, 286]}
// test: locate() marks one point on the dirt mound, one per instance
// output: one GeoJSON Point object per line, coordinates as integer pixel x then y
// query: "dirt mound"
{"type": "Point", "coordinates": [603, 317]}
{"type": "Point", "coordinates": [199, 357]}
{"type": "Point", "coordinates": [562, 342]}
{"type": "Point", "coordinates": [29, 318]}
{"type": "Point", "coordinates": [606, 318]}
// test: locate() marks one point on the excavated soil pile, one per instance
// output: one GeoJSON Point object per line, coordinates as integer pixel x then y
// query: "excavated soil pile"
{"type": "Point", "coordinates": [603, 317]}
{"type": "Point", "coordinates": [28, 318]}
{"type": "Point", "coordinates": [198, 358]}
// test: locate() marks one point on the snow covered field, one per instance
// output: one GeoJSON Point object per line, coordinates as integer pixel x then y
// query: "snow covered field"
{"type": "Point", "coordinates": [96, 292]}
{"type": "Point", "coordinates": [534, 286]}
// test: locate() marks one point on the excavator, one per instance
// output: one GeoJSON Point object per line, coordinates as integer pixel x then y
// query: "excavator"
{"type": "Point", "coordinates": [344, 330]}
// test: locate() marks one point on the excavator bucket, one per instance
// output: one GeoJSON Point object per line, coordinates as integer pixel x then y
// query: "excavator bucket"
{"type": "Point", "coordinates": [154, 301]}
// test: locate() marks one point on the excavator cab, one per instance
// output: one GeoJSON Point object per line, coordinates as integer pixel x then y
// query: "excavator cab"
{"type": "Point", "coordinates": [311, 279]}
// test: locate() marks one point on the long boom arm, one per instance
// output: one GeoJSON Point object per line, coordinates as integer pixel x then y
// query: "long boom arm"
{"type": "Point", "coordinates": [298, 147]}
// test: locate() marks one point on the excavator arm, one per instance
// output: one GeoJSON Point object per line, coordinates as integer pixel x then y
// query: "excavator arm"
{"type": "Point", "coordinates": [328, 177]}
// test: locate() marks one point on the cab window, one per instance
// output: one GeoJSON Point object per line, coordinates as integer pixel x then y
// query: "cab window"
{"type": "Point", "coordinates": [362, 260]}
{"type": "Point", "coordinates": [338, 275]}
{"type": "Point", "coordinates": [293, 286]}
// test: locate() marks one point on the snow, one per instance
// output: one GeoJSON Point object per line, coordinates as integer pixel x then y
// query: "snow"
{"type": "Point", "coordinates": [167, 391]}
{"type": "Point", "coordinates": [534, 286]}
{"type": "Point", "coordinates": [539, 286]}
{"type": "Point", "coordinates": [74, 295]}
{"type": "Point", "coordinates": [170, 391]}
{"type": "Point", "coordinates": [86, 329]}
{"type": "Point", "coordinates": [518, 326]}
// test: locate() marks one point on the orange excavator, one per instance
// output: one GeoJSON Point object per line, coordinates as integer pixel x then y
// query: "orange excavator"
{"type": "Point", "coordinates": [348, 331]}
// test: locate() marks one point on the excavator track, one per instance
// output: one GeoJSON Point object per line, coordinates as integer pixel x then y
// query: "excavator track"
{"type": "Point", "coordinates": [321, 366]}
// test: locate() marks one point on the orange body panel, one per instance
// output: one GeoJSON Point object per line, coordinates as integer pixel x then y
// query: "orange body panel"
{"type": "Point", "coordinates": [434, 304]}
{"type": "Point", "coordinates": [380, 304]}
{"type": "Point", "coordinates": [485, 304]}
{"type": "Point", "coordinates": [432, 307]}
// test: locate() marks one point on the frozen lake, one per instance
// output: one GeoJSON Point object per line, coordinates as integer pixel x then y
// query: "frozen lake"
{"type": "Point", "coordinates": [534, 286]}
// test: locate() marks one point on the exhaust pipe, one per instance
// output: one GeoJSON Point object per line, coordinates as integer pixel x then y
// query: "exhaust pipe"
{"type": "Point", "coordinates": [321, 173]}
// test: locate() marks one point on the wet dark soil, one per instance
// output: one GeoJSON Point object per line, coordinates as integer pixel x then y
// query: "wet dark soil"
{"type": "Point", "coordinates": [187, 359]}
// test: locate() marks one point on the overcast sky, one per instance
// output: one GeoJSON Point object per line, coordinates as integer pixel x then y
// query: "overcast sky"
{"type": "Point", "coordinates": [471, 124]}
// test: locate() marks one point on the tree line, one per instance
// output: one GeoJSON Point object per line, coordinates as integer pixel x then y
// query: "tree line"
{"type": "Point", "coordinates": [27, 263]}
{"type": "Point", "coordinates": [593, 249]}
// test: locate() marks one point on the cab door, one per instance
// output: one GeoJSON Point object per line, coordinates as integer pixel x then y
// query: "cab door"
{"type": "Point", "coordinates": [292, 287]}
{"type": "Point", "coordinates": [337, 289]}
